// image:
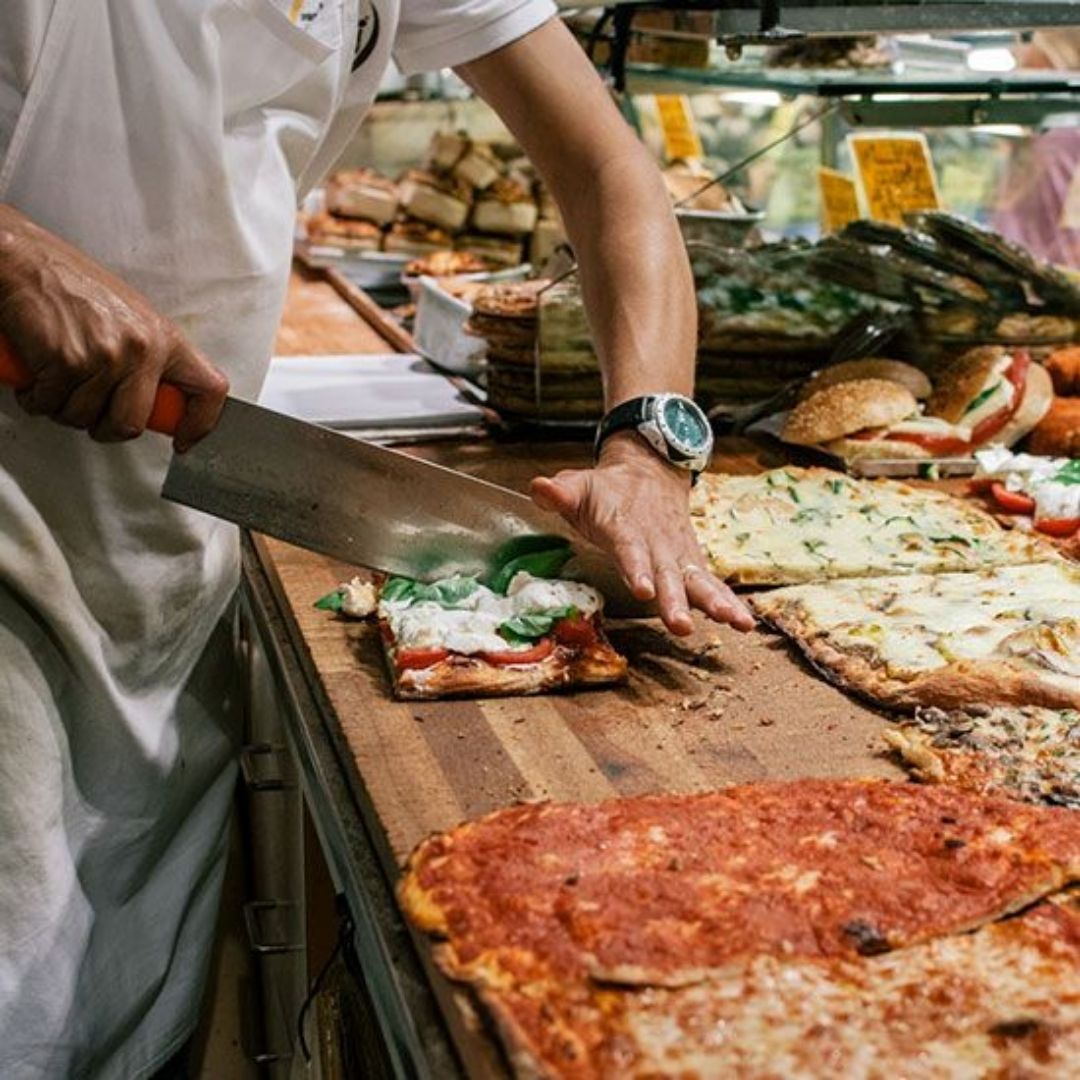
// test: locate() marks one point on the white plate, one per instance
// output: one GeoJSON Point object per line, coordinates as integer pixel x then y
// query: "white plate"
{"type": "Point", "coordinates": [365, 392]}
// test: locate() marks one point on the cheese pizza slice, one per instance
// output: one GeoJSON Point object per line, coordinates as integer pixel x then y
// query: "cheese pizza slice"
{"type": "Point", "coordinates": [792, 525]}
{"type": "Point", "coordinates": [1005, 636]}
{"type": "Point", "coordinates": [1029, 753]}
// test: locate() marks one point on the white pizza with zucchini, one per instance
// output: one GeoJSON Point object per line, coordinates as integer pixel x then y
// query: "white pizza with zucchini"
{"type": "Point", "coordinates": [795, 525]}
{"type": "Point", "coordinates": [520, 631]}
{"type": "Point", "coordinates": [1009, 635]}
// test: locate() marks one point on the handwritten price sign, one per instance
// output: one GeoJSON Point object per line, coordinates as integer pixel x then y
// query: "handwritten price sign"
{"type": "Point", "coordinates": [894, 174]}
{"type": "Point", "coordinates": [839, 199]}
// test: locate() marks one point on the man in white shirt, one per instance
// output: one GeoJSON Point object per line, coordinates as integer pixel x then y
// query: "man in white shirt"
{"type": "Point", "coordinates": [151, 158]}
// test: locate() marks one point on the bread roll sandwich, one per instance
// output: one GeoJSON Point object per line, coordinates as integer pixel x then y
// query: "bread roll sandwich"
{"type": "Point", "coordinates": [869, 368]}
{"type": "Point", "coordinates": [997, 394]}
{"type": "Point", "coordinates": [987, 395]}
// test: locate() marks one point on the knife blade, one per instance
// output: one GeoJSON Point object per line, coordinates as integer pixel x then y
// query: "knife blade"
{"type": "Point", "coordinates": [353, 500]}
{"type": "Point", "coordinates": [360, 502]}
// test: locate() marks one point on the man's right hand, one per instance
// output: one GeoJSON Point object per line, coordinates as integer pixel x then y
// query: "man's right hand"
{"type": "Point", "coordinates": [96, 348]}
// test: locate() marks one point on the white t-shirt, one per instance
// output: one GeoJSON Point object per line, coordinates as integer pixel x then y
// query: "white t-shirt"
{"type": "Point", "coordinates": [169, 140]}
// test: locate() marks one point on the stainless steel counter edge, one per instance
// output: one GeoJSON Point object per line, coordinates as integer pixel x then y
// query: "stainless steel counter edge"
{"type": "Point", "coordinates": [416, 1037]}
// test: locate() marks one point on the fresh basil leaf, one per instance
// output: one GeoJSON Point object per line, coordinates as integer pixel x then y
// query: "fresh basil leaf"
{"type": "Point", "coordinates": [980, 398]}
{"type": "Point", "coordinates": [951, 540]}
{"type": "Point", "coordinates": [447, 593]}
{"type": "Point", "coordinates": [398, 588]}
{"type": "Point", "coordinates": [534, 625]}
{"type": "Point", "coordinates": [331, 601]}
{"type": "Point", "coordinates": [451, 591]}
{"type": "Point", "coordinates": [1069, 474]}
{"type": "Point", "coordinates": [525, 554]}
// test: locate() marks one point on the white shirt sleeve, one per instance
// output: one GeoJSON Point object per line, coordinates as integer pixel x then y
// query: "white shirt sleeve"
{"type": "Point", "coordinates": [434, 34]}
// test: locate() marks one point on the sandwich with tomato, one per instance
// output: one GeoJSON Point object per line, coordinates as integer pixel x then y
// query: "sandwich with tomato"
{"type": "Point", "coordinates": [521, 630]}
{"type": "Point", "coordinates": [986, 395]}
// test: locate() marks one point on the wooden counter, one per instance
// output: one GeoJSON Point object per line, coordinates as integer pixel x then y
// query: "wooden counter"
{"type": "Point", "coordinates": [712, 709]}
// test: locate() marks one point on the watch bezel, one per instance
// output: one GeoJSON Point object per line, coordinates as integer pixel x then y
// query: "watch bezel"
{"type": "Point", "coordinates": [675, 442]}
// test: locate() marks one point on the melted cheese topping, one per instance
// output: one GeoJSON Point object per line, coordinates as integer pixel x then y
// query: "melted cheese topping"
{"type": "Point", "coordinates": [471, 626]}
{"type": "Point", "coordinates": [930, 425]}
{"type": "Point", "coordinates": [358, 598]}
{"type": "Point", "coordinates": [1027, 614]}
{"type": "Point", "coordinates": [794, 525]}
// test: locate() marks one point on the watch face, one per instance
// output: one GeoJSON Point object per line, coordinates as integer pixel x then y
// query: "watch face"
{"type": "Point", "coordinates": [686, 423]}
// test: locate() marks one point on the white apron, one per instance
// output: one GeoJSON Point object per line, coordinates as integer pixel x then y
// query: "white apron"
{"type": "Point", "coordinates": [169, 139]}
{"type": "Point", "coordinates": [165, 139]}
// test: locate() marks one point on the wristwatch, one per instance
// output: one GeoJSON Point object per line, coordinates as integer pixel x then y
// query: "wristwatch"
{"type": "Point", "coordinates": [673, 425]}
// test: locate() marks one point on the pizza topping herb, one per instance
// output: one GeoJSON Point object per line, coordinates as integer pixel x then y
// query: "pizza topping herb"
{"type": "Point", "coordinates": [538, 556]}
{"type": "Point", "coordinates": [534, 625]}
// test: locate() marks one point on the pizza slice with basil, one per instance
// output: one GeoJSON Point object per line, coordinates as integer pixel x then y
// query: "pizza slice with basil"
{"type": "Point", "coordinates": [519, 631]}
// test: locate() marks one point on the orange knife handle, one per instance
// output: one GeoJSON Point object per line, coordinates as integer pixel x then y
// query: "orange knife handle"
{"type": "Point", "coordinates": [169, 403]}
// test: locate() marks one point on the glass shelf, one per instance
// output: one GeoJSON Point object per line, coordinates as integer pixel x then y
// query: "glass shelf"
{"type": "Point", "coordinates": [731, 17]}
{"type": "Point", "coordinates": [926, 99]}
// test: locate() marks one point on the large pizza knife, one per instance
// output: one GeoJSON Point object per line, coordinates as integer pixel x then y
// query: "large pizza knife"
{"type": "Point", "coordinates": [353, 500]}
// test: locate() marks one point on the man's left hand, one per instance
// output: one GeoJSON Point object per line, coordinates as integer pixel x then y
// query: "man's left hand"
{"type": "Point", "coordinates": [634, 506]}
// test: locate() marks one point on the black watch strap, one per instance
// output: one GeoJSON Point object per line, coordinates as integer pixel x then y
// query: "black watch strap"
{"type": "Point", "coordinates": [626, 415]}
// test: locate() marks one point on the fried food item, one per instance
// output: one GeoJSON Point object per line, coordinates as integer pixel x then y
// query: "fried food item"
{"type": "Point", "coordinates": [1064, 368]}
{"type": "Point", "coordinates": [1058, 433]}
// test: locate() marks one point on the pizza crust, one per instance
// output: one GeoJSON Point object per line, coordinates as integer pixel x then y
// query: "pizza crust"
{"type": "Point", "coordinates": [990, 682]}
{"type": "Point", "coordinates": [860, 663]}
{"type": "Point", "coordinates": [461, 676]}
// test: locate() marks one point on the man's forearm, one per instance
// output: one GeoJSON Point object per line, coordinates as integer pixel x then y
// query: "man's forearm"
{"type": "Point", "coordinates": [635, 276]}
{"type": "Point", "coordinates": [634, 270]}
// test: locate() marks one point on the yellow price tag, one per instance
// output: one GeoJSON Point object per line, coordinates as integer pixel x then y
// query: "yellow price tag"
{"type": "Point", "coordinates": [677, 122]}
{"type": "Point", "coordinates": [895, 175]}
{"type": "Point", "coordinates": [839, 199]}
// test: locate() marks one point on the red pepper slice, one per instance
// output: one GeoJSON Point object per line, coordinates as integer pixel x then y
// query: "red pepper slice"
{"type": "Point", "coordinates": [540, 651]}
{"type": "Point", "coordinates": [1013, 502]}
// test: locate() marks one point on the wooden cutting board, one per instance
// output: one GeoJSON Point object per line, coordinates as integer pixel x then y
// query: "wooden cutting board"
{"type": "Point", "coordinates": [699, 712]}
